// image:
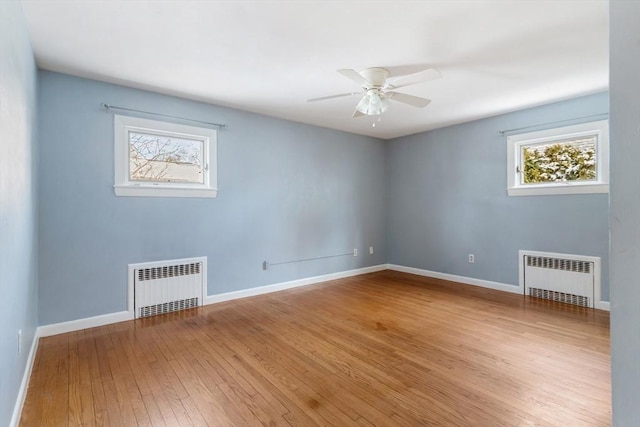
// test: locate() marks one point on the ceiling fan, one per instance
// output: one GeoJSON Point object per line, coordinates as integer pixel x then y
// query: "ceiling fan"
{"type": "Point", "coordinates": [377, 91]}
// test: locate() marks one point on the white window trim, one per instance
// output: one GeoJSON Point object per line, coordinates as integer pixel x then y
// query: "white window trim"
{"type": "Point", "coordinates": [124, 187]}
{"type": "Point", "coordinates": [514, 142]}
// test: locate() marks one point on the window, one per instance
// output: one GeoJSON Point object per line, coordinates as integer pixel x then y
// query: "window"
{"type": "Point", "coordinates": [567, 160]}
{"type": "Point", "coordinates": [160, 159]}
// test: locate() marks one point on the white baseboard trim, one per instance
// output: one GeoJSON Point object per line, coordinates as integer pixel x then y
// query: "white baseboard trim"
{"type": "Point", "coordinates": [600, 305]}
{"type": "Point", "coordinates": [22, 392]}
{"type": "Point", "coordinates": [89, 322]}
{"type": "Point", "coordinates": [228, 296]}
{"type": "Point", "coordinates": [514, 289]}
{"type": "Point", "coordinates": [122, 316]}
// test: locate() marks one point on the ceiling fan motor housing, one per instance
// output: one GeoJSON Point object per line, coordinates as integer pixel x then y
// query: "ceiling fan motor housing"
{"type": "Point", "coordinates": [375, 76]}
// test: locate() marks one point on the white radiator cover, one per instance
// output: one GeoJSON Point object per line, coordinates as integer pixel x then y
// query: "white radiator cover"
{"type": "Point", "coordinates": [165, 286]}
{"type": "Point", "coordinates": [568, 278]}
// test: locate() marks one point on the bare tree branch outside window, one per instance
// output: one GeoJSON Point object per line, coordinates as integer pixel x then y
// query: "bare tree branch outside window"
{"type": "Point", "coordinates": [161, 158]}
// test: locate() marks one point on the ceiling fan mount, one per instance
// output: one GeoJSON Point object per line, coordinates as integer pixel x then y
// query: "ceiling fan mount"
{"type": "Point", "coordinates": [375, 76]}
{"type": "Point", "coordinates": [377, 91]}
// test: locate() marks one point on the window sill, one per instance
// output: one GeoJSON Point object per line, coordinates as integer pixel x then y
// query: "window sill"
{"type": "Point", "coordinates": [159, 191]}
{"type": "Point", "coordinates": [558, 189]}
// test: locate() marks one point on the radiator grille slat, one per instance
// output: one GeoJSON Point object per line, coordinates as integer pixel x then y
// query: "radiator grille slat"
{"type": "Point", "coordinates": [167, 271]}
{"type": "Point", "coordinates": [167, 307]}
{"type": "Point", "coordinates": [559, 264]}
{"type": "Point", "coordinates": [559, 297]}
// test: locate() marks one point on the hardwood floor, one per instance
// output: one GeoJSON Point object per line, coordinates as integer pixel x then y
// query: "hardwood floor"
{"type": "Point", "coordinates": [383, 349]}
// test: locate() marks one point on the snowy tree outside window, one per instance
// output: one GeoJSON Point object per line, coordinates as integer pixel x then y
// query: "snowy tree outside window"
{"type": "Point", "coordinates": [568, 160]}
{"type": "Point", "coordinates": [561, 161]}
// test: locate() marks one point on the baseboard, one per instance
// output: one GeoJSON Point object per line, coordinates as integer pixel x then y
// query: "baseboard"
{"type": "Point", "coordinates": [228, 296]}
{"type": "Point", "coordinates": [106, 319]}
{"type": "Point", "coordinates": [89, 322]}
{"type": "Point", "coordinates": [22, 392]}
{"type": "Point", "coordinates": [460, 279]}
{"type": "Point", "coordinates": [122, 316]}
{"type": "Point", "coordinates": [600, 305]}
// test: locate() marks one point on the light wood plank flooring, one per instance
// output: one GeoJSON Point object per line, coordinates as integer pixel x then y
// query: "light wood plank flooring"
{"type": "Point", "coordinates": [382, 349]}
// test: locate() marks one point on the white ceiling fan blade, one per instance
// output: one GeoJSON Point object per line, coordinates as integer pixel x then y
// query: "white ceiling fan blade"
{"type": "Point", "coordinates": [357, 113]}
{"type": "Point", "coordinates": [415, 101]}
{"type": "Point", "coordinates": [354, 75]}
{"type": "Point", "coordinates": [340, 95]}
{"type": "Point", "coordinates": [422, 76]}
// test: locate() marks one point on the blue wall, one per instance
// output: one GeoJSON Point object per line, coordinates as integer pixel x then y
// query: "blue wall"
{"type": "Point", "coordinates": [286, 191]}
{"type": "Point", "coordinates": [448, 199]}
{"type": "Point", "coordinates": [18, 201]}
{"type": "Point", "coordinates": [291, 191]}
{"type": "Point", "coordinates": [625, 211]}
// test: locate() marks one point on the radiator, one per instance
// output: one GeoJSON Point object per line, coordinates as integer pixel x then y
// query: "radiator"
{"type": "Point", "coordinates": [166, 286]}
{"type": "Point", "coordinates": [560, 277]}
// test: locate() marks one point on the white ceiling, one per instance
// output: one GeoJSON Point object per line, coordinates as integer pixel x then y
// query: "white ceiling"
{"type": "Point", "coordinates": [268, 57]}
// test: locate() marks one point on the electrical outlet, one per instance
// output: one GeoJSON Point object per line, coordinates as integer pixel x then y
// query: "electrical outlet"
{"type": "Point", "coordinates": [355, 252]}
{"type": "Point", "coordinates": [472, 258]}
{"type": "Point", "coordinates": [20, 341]}
{"type": "Point", "coordinates": [370, 250]}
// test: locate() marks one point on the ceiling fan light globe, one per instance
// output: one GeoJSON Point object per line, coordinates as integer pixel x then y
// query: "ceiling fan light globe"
{"type": "Point", "coordinates": [363, 105]}
{"type": "Point", "coordinates": [384, 103]}
{"type": "Point", "coordinates": [373, 104]}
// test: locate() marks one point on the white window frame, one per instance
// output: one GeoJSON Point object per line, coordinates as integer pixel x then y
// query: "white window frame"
{"type": "Point", "coordinates": [514, 168]}
{"type": "Point", "coordinates": [122, 125]}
